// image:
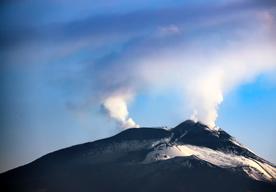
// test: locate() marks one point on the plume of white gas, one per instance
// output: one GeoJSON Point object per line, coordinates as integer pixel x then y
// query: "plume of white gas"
{"type": "Point", "coordinates": [116, 106]}
{"type": "Point", "coordinates": [203, 69]}
{"type": "Point", "coordinates": [206, 74]}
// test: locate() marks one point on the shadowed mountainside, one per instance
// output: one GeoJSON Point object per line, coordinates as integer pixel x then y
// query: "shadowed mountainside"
{"type": "Point", "coordinates": [190, 157]}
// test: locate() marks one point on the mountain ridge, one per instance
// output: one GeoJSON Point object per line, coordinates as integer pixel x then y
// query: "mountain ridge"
{"type": "Point", "coordinates": [140, 154]}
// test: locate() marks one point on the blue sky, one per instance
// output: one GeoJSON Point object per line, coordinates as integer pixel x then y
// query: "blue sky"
{"type": "Point", "coordinates": [76, 72]}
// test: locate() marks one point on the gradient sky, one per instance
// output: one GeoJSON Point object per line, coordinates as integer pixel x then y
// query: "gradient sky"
{"type": "Point", "coordinates": [60, 60]}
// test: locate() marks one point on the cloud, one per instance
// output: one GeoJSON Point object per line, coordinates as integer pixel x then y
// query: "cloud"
{"type": "Point", "coordinates": [170, 29]}
{"type": "Point", "coordinates": [203, 51]}
{"type": "Point", "coordinates": [111, 25]}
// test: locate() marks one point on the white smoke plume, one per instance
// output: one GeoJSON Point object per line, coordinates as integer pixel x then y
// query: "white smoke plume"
{"type": "Point", "coordinates": [204, 69]}
{"type": "Point", "coordinates": [205, 72]}
{"type": "Point", "coordinates": [204, 87]}
{"type": "Point", "coordinates": [205, 81]}
{"type": "Point", "coordinates": [116, 107]}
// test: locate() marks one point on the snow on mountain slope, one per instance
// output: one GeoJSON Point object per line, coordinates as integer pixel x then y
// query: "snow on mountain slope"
{"type": "Point", "coordinates": [189, 139]}
{"type": "Point", "coordinates": [258, 170]}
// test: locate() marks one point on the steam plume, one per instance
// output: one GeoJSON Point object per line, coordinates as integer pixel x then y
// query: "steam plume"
{"type": "Point", "coordinates": [116, 107]}
{"type": "Point", "coordinates": [204, 68]}
{"type": "Point", "coordinates": [205, 73]}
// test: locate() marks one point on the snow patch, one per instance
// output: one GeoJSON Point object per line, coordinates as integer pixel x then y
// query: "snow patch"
{"type": "Point", "coordinates": [255, 169]}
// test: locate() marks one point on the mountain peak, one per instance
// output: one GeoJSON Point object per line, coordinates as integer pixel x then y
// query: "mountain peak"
{"type": "Point", "coordinates": [190, 124]}
{"type": "Point", "coordinates": [191, 127]}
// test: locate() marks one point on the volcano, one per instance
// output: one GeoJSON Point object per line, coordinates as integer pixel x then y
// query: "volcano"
{"type": "Point", "coordinates": [188, 158]}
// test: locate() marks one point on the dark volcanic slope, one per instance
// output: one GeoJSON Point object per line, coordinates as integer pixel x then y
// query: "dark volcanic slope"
{"type": "Point", "coordinates": [118, 164]}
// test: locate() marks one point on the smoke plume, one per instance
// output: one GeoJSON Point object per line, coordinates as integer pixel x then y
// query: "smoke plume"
{"type": "Point", "coordinates": [203, 67]}
{"type": "Point", "coordinates": [116, 107]}
{"type": "Point", "coordinates": [206, 75]}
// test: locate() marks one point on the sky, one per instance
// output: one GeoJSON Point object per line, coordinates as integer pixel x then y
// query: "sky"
{"type": "Point", "coordinates": [77, 72]}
